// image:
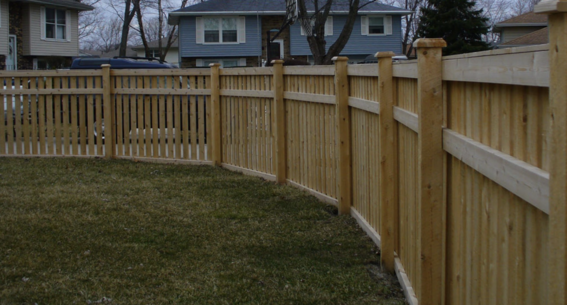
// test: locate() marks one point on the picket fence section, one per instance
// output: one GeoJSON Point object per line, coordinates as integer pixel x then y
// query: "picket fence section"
{"type": "Point", "coordinates": [443, 161]}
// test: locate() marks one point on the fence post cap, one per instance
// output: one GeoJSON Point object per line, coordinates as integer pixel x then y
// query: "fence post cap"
{"type": "Point", "coordinates": [430, 43]}
{"type": "Point", "coordinates": [384, 54]}
{"type": "Point", "coordinates": [340, 58]}
{"type": "Point", "coordinates": [277, 62]}
{"type": "Point", "coordinates": [550, 7]}
{"type": "Point", "coordinates": [215, 64]}
{"type": "Point", "coordinates": [105, 66]}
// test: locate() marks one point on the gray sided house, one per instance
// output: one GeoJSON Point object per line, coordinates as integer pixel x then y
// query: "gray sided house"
{"type": "Point", "coordinates": [39, 33]}
{"type": "Point", "coordinates": [235, 32]}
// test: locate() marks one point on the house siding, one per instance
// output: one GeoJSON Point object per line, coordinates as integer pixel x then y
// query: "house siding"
{"type": "Point", "coordinates": [189, 47]}
{"type": "Point", "coordinates": [516, 32]}
{"type": "Point", "coordinates": [357, 45]}
{"type": "Point", "coordinates": [4, 27]}
{"type": "Point", "coordinates": [35, 46]}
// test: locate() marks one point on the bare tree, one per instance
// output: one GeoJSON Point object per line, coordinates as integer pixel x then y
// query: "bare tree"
{"type": "Point", "coordinates": [520, 7]}
{"type": "Point", "coordinates": [496, 11]}
{"type": "Point", "coordinates": [88, 20]}
{"type": "Point", "coordinates": [105, 37]}
{"type": "Point", "coordinates": [125, 10]}
{"type": "Point", "coordinates": [155, 28]}
{"type": "Point", "coordinates": [314, 24]}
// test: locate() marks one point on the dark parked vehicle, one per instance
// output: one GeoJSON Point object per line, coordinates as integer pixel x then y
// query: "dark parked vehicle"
{"type": "Point", "coordinates": [121, 63]}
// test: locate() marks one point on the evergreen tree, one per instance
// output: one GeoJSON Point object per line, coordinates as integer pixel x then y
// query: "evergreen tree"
{"type": "Point", "coordinates": [457, 22]}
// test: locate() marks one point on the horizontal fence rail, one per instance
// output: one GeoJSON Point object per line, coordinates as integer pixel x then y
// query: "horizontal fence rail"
{"type": "Point", "coordinates": [444, 162]}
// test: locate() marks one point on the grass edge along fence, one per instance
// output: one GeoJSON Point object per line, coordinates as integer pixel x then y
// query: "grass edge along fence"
{"type": "Point", "coordinates": [454, 166]}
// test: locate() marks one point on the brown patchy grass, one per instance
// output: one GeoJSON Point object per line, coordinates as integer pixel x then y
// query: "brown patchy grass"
{"type": "Point", "coordinates": [84, 231]}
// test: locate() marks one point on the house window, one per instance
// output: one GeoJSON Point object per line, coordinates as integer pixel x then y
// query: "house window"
{"type": "Point", "coordinates": [220, 30]}
{"type": "Point", "coordinates": [55, 24]}
{"type": "Point", "coordinates": [376, 25]}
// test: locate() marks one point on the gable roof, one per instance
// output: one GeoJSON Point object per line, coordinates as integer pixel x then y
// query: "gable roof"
{"type": "Point", "coordinates": [271, 7]}
{"type": "Point", "coordinates": [72, 4]}
{"type": "Point", "coordinates": [528, 19]}
{"type": "Point", "coordinates": [537, 37]}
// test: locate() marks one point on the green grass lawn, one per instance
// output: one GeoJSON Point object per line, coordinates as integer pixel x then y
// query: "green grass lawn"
{"type": "Point", "coordinates": [86, 231]}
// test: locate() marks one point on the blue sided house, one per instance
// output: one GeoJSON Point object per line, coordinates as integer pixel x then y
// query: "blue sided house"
{"type": "Point", "coordinates": [235, 32]}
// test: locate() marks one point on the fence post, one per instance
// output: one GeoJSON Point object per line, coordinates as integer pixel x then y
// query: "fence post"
{"type": "Point", "coordinates": [216, 115]}
{"type": "Point", "coordinates": [430, 168]}
{"type": "Point", "coordinates": [343, 129]}
{"type": "Point", "coordinates": [557, 11]}
{"type": "Point", "coordinates": [279, 107]}
{"type": "Point", "coordinates": [388, 162]}
{"type": "Point", "coordinates": [109, 145]}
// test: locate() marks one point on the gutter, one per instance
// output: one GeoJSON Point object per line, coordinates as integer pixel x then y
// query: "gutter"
{"type": "Point", "coordinates": [174, 16]}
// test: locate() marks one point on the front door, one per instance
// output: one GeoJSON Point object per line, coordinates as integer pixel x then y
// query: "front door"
{"type": "Point", "coordinates": [12, 59]}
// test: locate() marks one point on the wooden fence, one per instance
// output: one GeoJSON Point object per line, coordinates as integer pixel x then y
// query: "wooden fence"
{"type": "Point", "coordinates": [444, 162]}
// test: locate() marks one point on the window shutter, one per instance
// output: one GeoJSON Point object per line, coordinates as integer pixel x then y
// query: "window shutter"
{"type": "Point", "coordinates": [68, 25]}
{"type": "Point", "coordinates": [242, 62]}
{"type": "Point", "coordinates": [42, 21]}
{"type": "Point", "coordinates": [388, 25]}
{"type": "Point", "coordinates": [329, 26]}
{"type": "Point", "coordinates": [364, 25]}
{"type": "Point", "coordinates": [199, 31]}
{"type": "Point", "coordinates": [241, 29]}
{"type": "Point", "coordinates": [199, 63]}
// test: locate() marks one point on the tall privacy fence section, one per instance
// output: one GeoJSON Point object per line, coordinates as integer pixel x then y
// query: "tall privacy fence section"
{"type": "Point", "coordinates": [444, 162]}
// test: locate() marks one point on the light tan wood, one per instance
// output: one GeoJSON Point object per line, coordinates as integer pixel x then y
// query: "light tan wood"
{"type": "Point", "coordinates": [408, 119]}
{"type": "Point", "coordinates": [34, 122]}
{"type": "Point", "coordinates": [343, 142]}
{"type": "Point", "coordinates": [50, 73]}
{"type": "Point", "coordinates": [310, 70]}
{"type": "Point", "coordinates": [177, 118]}
{"type": "Point", "coordinates": [163, 91]}
{"type": "Point", "coordinates": [247, 93]}
{"type": "Point", "coordinates": [82, 119]}
{"type": "Point", "coordinates": [201, 120]}
{"type": "Point", "coordinates": [368, 228]}
{"type": "Point", "coordinates": [430, 169]}
{"type": "Point", "coordinates": [320, 196]}
{"type": "Point", "coordinates": [41, 118]}
{"type": "Point", "coordinates": [522, 179]}
{"type": "Point", "coordinates": [165, 161]}
{"type": "Point", "coordinates": [403, 279]}
{"type": "Point", "coordinates": [185, 119]}
{"type": "Point", "coordinates": [161, 72]}
{"type": "Point", "coordinates": [280, 122]}
{"type": "Point", "coordinates": [558, 170]}
{"type": "Point", "coordinates": [74, 119]}
{"type": "Point", "coordinates": [158, 137]}
{"type": "Point", "coordinates": [362, 70]}
{"type": "Point", "coordinates": [388, 162]}
{"type": "Point", "coordinates": [246, 71]}
{"type": "Point", "coordinates": [108, 135]}
{"type": "Point", "coordinates": [216, 119]}
{"type": "Point", "coordinates": [49, 118]}
{"type": "Point", "coordinates": [117, 83]}
{"type": "Point", "coordinates": [366, 105]}
{"type": "Point", "coordinates": [310, 97]}
{"type": "Point", "coordinates": [528, 69]}
{"type": "Point", "coordinates": [405, 70]}
{"type": "Point", "coordinates": [98, 118]}
{"type": "Point", "coordinates": [52, 91]}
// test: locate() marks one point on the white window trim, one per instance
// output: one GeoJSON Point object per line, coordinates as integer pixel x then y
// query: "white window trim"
{"type": "Point", "coordinates": [240, 30]}
{"type": "Point", "coordinates": [67, 25]}
{"type": "Point", "coordinates": [388, 27]}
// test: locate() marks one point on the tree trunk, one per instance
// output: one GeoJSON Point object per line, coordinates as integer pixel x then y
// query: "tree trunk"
{"type": "Point", "coordinates": [128, 16]}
